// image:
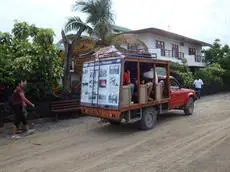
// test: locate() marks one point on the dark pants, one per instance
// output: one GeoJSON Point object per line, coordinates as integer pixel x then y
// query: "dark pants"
{"type": "Point", "coordinates": [198, 91]}
{"type": "Point", "coordinates": [19, 115]}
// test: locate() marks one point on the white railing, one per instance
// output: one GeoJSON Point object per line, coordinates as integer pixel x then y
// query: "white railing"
{"type": "Point", "coordinates": [196, 60]}
{"type": "Point", "coordinates": [192, 60]}
{"type": "Point", "coordinates": [199, 58]}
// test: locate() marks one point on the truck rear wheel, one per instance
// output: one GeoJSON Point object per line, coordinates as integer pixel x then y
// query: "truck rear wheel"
{"type": "Point", "coordinates": [149, 119]}
{"type": "Point", "coordinates": [189, 107]}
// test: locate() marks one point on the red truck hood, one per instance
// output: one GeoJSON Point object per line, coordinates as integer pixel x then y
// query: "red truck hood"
{"type": "Point", "coordinates": [187, 90]}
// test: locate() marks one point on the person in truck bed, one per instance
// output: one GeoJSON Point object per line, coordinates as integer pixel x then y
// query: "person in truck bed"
{"type": "Point", "coordinates": [149, 85]}
{"type": "Point", "coordinates": [127, 81]}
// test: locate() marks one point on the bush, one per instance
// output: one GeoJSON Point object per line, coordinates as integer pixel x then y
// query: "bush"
{"type": "Point", "coordinates": [187, 79]}
{"type": "Point", "coordinates": [176, 67]}
{"type": "Point", "coordinates": [212, 78]}
{"type": "Point", "coordinates": [37, 91]}
{"type": "Point", "coordinates": [181, 73]}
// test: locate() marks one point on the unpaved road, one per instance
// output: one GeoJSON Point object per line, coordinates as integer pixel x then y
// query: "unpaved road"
{"type": "Point", "coordinates": [178, 144]}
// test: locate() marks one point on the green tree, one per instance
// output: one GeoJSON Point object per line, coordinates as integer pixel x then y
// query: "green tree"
{"type": "Point", "coordinates": [220, 55]}
{"type": "Point", "coordinates": [5, 58]}
{"type": "Point", "coordinates": [212, 77]}
{"type": "Point", "coordinates": [215, 53]}
{"type": "Point", "coordinates": [29, 53]}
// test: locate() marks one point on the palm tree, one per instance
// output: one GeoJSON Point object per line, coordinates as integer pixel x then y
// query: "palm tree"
{"type": "Point", "coordinates": [97, 24]}
{"type": "Point", "coordinates": [98, 21]}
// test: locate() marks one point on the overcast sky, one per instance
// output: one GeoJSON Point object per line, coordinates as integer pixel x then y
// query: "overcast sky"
{"type": "Point", "coordinates": [200, 19]}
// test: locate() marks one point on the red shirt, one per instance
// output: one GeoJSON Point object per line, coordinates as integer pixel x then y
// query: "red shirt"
{"type": "Point", "coordinates": [126, 78]}
{"type": "Point", "coordinates": [18, 97]}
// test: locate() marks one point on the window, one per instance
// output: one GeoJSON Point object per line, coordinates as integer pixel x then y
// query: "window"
{"type": "Point", "coordinates": [161, 45]}
{"type": "Point", "coordinates": [181, 55]}
{"type": "Point", "coordinates": [175, 50]}
{"type": "Point", "coordinates": [191, 51]}
{"type": "Point", "coordinates": [174, 84]}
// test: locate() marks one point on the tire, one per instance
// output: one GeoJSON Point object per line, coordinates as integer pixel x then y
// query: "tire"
{"type": "Point", "coordinates": [114, 122]}
{"type": "Point", "coordinates": [149, 119]}
{"type": "Point", "coordinates": [189, 107]}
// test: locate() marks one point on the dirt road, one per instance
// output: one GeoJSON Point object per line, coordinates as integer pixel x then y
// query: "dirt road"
{"type": "Point", "coordinates": [178, 144]}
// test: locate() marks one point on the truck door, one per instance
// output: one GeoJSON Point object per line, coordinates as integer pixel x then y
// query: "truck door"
{"type": "Point", "coordinates": [176, 95]}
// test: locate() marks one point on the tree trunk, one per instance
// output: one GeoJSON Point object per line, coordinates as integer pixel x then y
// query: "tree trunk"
{"type": "Point", "coordinates": [68, 58]}
{"type": "Point", "coordinates": [66, 82]}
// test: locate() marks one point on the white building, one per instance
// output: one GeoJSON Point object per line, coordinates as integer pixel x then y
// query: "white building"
{"type": "Point", "coordinates": [170, 46]}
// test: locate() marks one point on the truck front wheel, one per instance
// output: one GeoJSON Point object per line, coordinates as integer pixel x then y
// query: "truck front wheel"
{"type": "Point", "coordinates": [149, 119]}
{"type": "Point", "coordinates": [189, 108]}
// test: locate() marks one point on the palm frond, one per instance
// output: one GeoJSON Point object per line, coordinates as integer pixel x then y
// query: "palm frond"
{"type": "Point", "coordinates": [81, 5]}
{"type": "Point", "coordinates": [102, 29]}
{"type": "Point", "coordinates": [99, 9]}
{"type": "Point", "coordinates": [99, 16]}
{"type": "Point", "coordinates": [75, 24]}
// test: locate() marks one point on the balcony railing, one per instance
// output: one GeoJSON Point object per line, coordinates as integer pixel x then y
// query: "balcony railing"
{"type": "Point", "coordinates": [171, 53]}
{"type": "Point", "coordinates": [199, 58]}
{"type": "Point", "coordinates": [167, 53]}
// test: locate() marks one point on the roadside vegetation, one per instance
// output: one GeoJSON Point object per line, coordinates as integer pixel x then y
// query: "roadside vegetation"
{"type": "Point", "coordinates": [217, 73]}
{"type": "Point", "coordinates": [28, 53]}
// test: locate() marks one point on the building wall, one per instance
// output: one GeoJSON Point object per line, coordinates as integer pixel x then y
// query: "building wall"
{"type": "Point", "coordinates": [150, 40]}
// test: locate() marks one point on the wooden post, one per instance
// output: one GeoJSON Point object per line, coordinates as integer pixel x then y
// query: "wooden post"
{"type": "Point", "coordinates": [121, 83]}
{"type": "Point", "coordinates": [167, 79]}
{"type": "Point", "coordinates": [138, 81]}
{"type": "Point", "coordinates": [155, 91]}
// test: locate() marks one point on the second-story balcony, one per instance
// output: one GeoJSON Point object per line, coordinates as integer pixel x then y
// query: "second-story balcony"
{"type": "Point", "coordinates": [192, 60]}
{"type": "Point", "coordinates": [199, 58]}
{"type": "Point", "coordinates": [173, 54]}
{"type": "Point", "coordinates": [196, 60]}
{"type": "Point", "coordinates": [167, 53]}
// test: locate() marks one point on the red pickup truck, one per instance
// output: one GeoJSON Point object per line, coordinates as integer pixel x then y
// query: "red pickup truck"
{"type": "Point", "coordinates": [179, 97]}
{"type": "Point", "coordinates": [112, 102]}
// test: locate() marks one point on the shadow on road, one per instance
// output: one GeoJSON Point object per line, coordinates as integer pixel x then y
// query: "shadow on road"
{"type": "Point", "coordinates": [129, 129]}
{"type": "Point", "coordinates": [169, 116]}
